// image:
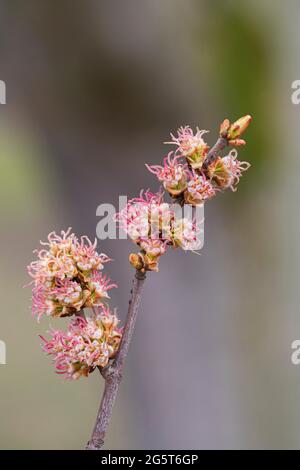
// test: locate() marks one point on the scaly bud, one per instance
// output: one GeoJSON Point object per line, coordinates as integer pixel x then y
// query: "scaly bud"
{"type": "Point", "coordinates": [224, 127]}
{"type": "Point", "coordinates": [144, 262]}
{"type": "Point", "coordinates": [136, 260]}
{"type": "Point", "coordinates": [150, 262]}
{"type": "Point", "coordinates": [238, 127]}
{"type": "Point", "coordinates": [237, 142]}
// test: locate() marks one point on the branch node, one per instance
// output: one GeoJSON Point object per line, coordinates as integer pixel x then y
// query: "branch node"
{"type": "Point", "coordinates": [140, 275]}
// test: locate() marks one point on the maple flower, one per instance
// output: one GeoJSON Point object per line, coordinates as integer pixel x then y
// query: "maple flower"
{"type": "Point", "coordinates": [172, 174]}
{"type": "Point", "coordinates": [66, 276]}
{"type": "Point", "coordinates": [97, 289]}
{"type": "Point", "coordinates": [148, 221]}
{"type": "Point", "coordinates": [198, 190]}
{"type": "Point", "coordinates": [146, 217]}
{"type": "Point", "coordinates": [86, 257]}
{"type": "Point", "coordinates": [59, 299]}
{"type": "Point", "coordinates": [185, 234]}
{"type": "Point", "coordinates": [87, 344]}
{"type": "Point", "coordinates": [152, 249]}
{"type": "Point", "coordinates": [190, 145]}
{"type": "Point", "coordinates": [227, 171]}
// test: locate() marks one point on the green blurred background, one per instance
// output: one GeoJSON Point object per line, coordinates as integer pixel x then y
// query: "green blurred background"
{"type": "Point", "coordinates": [93, 89]}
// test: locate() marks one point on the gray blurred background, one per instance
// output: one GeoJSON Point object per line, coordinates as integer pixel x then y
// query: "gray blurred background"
{"type": "Point", "coordinates": [93, 89]}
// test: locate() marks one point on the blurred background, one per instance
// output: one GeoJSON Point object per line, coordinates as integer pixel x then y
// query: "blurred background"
{"type": "Point", "coordinates": [93, 90]}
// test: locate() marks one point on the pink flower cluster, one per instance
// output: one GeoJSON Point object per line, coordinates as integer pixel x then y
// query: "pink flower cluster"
{"type": "Point", "coordinates": [87, 344]}
{"type": "Point", "coordinates": [182, 173]}
{"type": "Point", "coordinates": [67, 276]}
{"type": "Point", "coordinates": [227, 171]}
{"type": "Point", "coordinates": [152, 224]}
{"type": "Point", "coordinates": [191, 175]}
{"type": "Point", "coordinates": [172, 174]}
{"type": "Point", "coordinates": [191, 146]}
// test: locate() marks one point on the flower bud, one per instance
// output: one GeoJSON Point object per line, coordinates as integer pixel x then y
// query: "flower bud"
{"type": "Point", "coordinates": [238, 127]}
{"type": "Point", "coordinates": [136, 261]}
{"type": "Point", "coordinates": [224, 127]}
{"type": "Point", "coordinates": [150, 262]}
{"type": "Point", "coordinates": [237, 142]}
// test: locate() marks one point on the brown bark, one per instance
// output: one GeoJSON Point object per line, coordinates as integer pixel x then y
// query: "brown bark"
{"type": "Point", "coordinates": [113, 372]}
{"type": "Point", "coordinates": [213, 153]}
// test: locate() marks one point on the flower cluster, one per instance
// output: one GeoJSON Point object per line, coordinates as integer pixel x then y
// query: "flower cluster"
{"type": "Point", "coordinates": [195, 182]}
{"type": "Point", "coordinates": [152, 224]}
{"type": "Point", "coordinates": [198, 190]}
{"type": "Point", "coordinates": [226, 171]}
{"type": "Point", "coordinates": [191, 175]}
{"type": "Point", "coordinates": [191, 146]}
{"type": "Point", "coordinates": [172, 174]}
{"type": "Point", "coordinates": [67, 276]}
{"type": "Point", "coordinates": [87, 344]}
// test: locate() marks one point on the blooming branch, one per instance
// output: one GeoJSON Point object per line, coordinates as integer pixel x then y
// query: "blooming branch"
{"type": "Point", "coordinates": [191, 176]}
{"type": "Point", "coordinates": [194, 174]}
{"type": "Point", "coordinates": [67, 274]}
